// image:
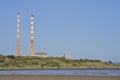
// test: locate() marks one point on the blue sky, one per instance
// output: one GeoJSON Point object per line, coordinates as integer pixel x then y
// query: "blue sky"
{"type": "Point", "coordinates": [90, 28]}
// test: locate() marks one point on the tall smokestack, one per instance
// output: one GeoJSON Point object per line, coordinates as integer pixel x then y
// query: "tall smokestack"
{"type": "Point", "coordinates": [18, 35]}
{"type": "Point", "coordinates": [32, 36]}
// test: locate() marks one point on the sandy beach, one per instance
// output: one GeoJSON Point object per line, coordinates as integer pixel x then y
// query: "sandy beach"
{"type": "Point", "coordinates": [56, 77]}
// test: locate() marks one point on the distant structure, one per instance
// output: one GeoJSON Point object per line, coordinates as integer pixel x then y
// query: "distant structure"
{"type": "Point", "coordinates": [32, 36]}
{"type": "Point", "coordinates": [66, 54]}
{"type": "Point", "coordinates": [41, 55]}
{"type": "Point", "coordinates": [18, 35]}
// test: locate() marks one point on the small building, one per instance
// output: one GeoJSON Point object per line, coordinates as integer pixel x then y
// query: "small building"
{"type": "Point", "coordinates": [41, 55]}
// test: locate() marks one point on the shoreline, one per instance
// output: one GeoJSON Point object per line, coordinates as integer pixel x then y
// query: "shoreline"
{"type": "Point", "coordinates": [51, 68]}
{"type": "Point", "coordinates": [56, 77]}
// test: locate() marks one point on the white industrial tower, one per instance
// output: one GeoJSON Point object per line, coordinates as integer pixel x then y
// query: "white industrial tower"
{"type": "Point", "coordinates": [67, 54]}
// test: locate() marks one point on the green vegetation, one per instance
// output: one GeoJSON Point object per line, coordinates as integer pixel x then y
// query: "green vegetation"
{"type": "Point", "coordinates": [24, 62]}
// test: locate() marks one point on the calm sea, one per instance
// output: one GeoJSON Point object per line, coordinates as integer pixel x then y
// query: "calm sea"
{"type": "Point", "coordinates": [89, 72]}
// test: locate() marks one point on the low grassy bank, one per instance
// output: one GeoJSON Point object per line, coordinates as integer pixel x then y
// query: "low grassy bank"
{"type": "Point", "coordinates": [12, 62]}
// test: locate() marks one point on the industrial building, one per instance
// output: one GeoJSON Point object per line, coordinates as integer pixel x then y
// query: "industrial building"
{"type": "Point", "coordinates": [32, 53]}
{"type": "Point", "coordinates": [41, 55]}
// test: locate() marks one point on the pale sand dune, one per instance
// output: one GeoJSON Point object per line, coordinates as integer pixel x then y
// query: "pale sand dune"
{"type": "Point", "coordinates": [54, 77]}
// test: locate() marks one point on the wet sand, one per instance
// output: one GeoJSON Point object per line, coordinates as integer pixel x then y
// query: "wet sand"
{"type": "Point", "coordinates": [56, 77]}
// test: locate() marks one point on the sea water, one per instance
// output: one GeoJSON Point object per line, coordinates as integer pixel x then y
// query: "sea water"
{"type": "Point", "coordinates": [87, 72]}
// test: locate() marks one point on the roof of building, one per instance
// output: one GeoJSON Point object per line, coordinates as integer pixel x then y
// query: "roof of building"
{"type": "Point", "coordinates": [42, 53]}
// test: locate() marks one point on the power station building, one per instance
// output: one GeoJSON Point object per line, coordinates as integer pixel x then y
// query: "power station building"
{"type": "Point", "coordinates": [32, 53]}
{"type": "Point", "coordinates": [41, 55]}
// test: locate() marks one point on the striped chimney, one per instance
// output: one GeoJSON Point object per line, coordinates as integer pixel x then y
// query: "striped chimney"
{"type": "Point", "coordinates": [32, 36]}
{"type": "Point", "coordinates": [18, 35]}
